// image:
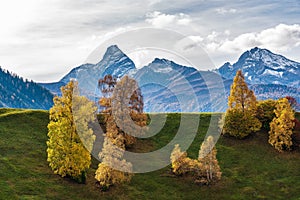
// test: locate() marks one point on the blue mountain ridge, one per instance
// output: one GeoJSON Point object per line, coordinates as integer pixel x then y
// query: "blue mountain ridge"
{"type": "Point", "coordinates": [166, 85]}
{"type": "Point", "coordinates": [170, 87]}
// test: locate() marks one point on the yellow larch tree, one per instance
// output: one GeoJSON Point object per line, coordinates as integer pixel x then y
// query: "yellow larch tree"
{"type": "Point", "coordinates": [240, 118]}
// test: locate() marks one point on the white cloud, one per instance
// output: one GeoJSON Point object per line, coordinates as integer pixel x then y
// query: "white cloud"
{"type": "Point", "coordinates": [280, 38]}
{"type": "Point", "coordinates": [51, 37]}
{"type": "Point", "coordinates": [160, 20]}
{"type": "Point", "coordinates": [224, 11]}
{"type": "Point", "coordinates": [222, 46]}
{"type": "Point", "coordinates": [153, 2]}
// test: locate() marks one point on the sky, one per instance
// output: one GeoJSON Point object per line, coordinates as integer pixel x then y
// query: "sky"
{"type": "Point", "coordinates": [44, 40]}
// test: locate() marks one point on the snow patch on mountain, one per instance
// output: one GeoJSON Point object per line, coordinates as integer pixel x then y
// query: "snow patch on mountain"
{"type": "Point", "coordinates": [273, 73]}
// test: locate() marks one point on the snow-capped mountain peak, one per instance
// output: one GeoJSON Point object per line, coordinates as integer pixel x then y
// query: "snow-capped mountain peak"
{"type": "Point", "coordinates": [261, 66]}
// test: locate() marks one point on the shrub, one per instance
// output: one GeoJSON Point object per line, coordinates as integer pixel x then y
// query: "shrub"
{"type": "Point", "coordinates": [203, 170]}
{"type": "Point", "coordinates": [181, 164]}
{"type": "Point", "coordinates": [265, 112]}
{"type": "Point", "coordinates": [108, 172]}
{"type": "Point", "coordinates": [208, 158]}
{"type": "Point", "coordinates": [240, 124]}
{"type": "Point", "coordinates": [296, 133]}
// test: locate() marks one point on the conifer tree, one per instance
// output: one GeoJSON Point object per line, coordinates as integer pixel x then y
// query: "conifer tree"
{"type": "Point", "coordinates": [67, 156]}
{"type": "Point", "coordinates": [112, 156]}
{"type": "Point", "coordinates": [240, 118]}
{"type": "Point", "coordinates": [281, 127]}
{"type": "Point", "coordinates": [241, 97]}
{"type": "Point", "coordinates": [208, 158]}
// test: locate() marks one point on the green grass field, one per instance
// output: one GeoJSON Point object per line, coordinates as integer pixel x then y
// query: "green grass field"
{"type": "Point", "coordinates": [252, 169]}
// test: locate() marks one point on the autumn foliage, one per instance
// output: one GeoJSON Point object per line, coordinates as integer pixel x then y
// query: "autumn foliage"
{"type": "Point", "coordinates": [240, 119]}
{"type": "Point", "coordinates": [122, 107]}
{"type": "Point", "coordinates": [67, 155]}
{"type": "Point", "coordinates": [265, 112]}
{"type": "Point", "coordinates": [281, 127]}
{"type": "Point", "coordinates": [112, 156]}
{"type": "Point", "coordinates": [208, 158]}
{"type": "Point", "coordinates": [122, 104]}
{"type": "Point", "coordinates": [204, 170]}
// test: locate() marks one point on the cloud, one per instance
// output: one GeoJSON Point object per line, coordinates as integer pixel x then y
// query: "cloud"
{"type": "Point", "coordinates": [222, 46]}
{"type": "Point", "coordinates": [153, 2]}
{"type": "Point", "coordinates": [160, 20]}
{"type": "Point", "coordinates": [39, 37]}
{"type": "Point", "coordinates": [279, 38]}
{"type": "Point", "coordinates": [224, 11]}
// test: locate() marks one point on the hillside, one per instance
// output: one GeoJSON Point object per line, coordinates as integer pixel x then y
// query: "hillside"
{"type": "Point", "coordinates": [252, 169]}
{"type": "Point", "coordinates": [15, 92]}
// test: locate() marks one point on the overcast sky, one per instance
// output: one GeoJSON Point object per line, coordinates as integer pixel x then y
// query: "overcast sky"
{"type": "Point", "coordinates": [43, 40]}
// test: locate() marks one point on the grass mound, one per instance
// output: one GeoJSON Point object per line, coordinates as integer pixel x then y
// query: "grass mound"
{"type": "Point", "coordinates": [252, 169]}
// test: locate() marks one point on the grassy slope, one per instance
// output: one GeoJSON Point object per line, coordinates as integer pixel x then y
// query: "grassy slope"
{"type": "Point", "coordinates": [252, 169]}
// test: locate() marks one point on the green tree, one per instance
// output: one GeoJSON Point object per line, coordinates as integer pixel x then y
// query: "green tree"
{"type": "Point", "coordinates": [112, 157]}
{"type": "Point", "coordinates": [265, 112]}
{"type": "Point", "coordinates": [240, 118]}
{"type": "Point", "coordinates": [240, 124]}
{"type": "Point", "coordinates": [281, 127]}
{"type": "Point", "coordinates": [67, 155]}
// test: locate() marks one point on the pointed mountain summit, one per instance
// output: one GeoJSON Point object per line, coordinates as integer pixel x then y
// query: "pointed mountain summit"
{"type": "Point", "coordinates": [171, 87]}
{"type": "Point", "coordinates": [113, 50]}
{"type": "Point", "coordinates": [114, 62]}
{"type": "Point", "coordinates": [261, 66]}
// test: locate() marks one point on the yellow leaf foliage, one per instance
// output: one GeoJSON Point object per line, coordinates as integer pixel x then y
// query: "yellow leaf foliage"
{"type": "Point", "coordinates": [240, 119]}
{"type": "Point", "coordinates": [208, 158]}
{"type": "Point", "coordinates": [123, 103]}
{"type": "Point", "coordinates": [281, 127]}
{"type": "Point", "coordinates": [112, 157]}
{"type": "Point", "coordinates": [204, 170]}
{"type": "Point", "coordinates": [67, 156]}
{"type": "Point", "coordinates": [181, 164]}
{"type": "Point", "coordinates": [240, 124]}
{"type": "Point", "coordinates": [240, 96]}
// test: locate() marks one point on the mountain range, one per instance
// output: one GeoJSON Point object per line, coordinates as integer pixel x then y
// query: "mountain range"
{"type": "Point", "coordinates": [170, 87]}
